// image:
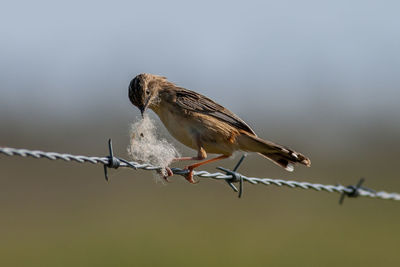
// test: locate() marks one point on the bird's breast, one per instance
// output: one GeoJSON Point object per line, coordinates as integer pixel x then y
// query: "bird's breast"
{"type": "Point", "coordinates": [192, 128]}
{"type": "Point", "coordinates": [177, 125]}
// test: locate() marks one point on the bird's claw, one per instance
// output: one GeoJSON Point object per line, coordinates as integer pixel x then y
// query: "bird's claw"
{"type": "Point", "coordinates": [167, 172]}
{"type": "Point", "coordinates": [189, 175]}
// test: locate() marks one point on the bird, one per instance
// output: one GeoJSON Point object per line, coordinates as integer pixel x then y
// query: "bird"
{"type": "Point", "coordinates": [204, 125]}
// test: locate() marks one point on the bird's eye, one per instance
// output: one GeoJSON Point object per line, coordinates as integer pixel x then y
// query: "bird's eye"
{"type": "Point", "coordinates": [147, 91]}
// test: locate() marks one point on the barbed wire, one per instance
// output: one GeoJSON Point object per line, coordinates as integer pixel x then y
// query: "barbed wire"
{"type": "Point", "coordinates": [230, 176]}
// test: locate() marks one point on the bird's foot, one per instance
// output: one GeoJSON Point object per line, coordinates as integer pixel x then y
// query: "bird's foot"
{"type": "Point", "coordinates": [167, 172]}
{"type": "Point", "coordinates": [189, 175]}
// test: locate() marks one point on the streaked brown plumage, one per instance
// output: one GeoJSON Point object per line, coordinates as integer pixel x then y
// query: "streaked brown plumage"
{"type": "Point", "coordinates": [201, 124]}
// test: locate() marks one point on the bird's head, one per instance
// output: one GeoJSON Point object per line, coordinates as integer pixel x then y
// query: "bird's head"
{"type": "Point", "coordinates": [143, 90]}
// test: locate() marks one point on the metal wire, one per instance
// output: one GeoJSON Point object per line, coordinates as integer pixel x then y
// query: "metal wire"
{"type": "Point", "coordinates": [230, 176]}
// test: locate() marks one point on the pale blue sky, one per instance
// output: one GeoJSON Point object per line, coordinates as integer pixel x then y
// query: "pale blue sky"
{"type": "Point", "coordinates": [66, 57]}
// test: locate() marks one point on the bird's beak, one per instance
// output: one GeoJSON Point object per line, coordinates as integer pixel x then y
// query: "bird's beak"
{"type": "Point", "coordinates": [142, 109]}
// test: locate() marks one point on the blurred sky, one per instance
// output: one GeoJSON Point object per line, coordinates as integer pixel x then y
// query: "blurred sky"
{"type": "Point", "coordinates": [255, 56]}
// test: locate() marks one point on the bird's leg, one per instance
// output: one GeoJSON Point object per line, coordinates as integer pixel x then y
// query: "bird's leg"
{"type": "Point", "coordinates": [201, 154]}
{"type": "Point", "coordinates": [189, 176]}
{"type": "Point", "coordinates": [187, 158]}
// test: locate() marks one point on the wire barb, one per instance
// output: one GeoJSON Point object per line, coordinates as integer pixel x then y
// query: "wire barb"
{"type": "Point", "coordinates": [113, 162]}
{"type": "Point", "coordinates": [354, 191]}
{"type": "Point", "coordinates": [228, 175]}
{"type": "Point", "coordinates": [236, 177]}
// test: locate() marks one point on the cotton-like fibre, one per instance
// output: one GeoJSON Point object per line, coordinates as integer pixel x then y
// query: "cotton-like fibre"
{"type": "Point", "coordinates": [147, 147]}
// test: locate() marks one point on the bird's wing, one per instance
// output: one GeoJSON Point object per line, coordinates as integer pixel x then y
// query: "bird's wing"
{"type": "Point", "coordinates": [198, 103]}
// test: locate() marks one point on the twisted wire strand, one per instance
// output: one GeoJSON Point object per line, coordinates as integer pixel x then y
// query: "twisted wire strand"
{"type": "Point", "coordinates": [202, 174]}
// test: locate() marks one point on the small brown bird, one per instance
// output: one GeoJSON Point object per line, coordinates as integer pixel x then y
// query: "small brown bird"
{"type": "Point", "coordinates": [201, 124]}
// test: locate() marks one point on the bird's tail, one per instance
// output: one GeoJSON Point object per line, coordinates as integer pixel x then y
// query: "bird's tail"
{"type": "Point", "coordinates": [278, 154]}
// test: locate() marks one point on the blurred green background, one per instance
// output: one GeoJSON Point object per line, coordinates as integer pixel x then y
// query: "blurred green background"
{"type": "Point", "coordinates": [320, 77]}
